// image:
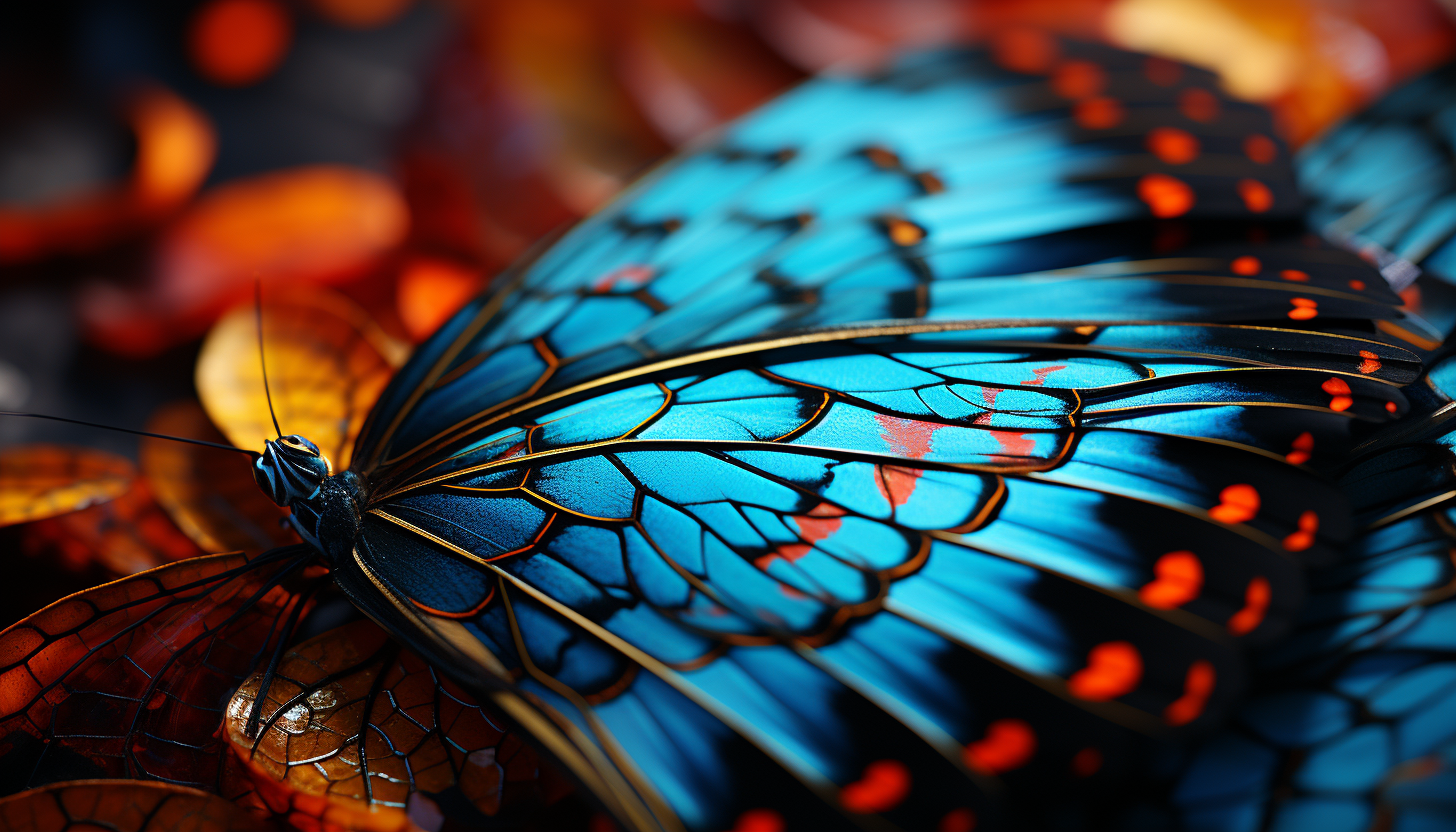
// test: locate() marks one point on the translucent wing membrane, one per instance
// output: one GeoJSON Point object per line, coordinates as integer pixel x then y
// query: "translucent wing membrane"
{"type": "Point", "coordinates": [38, 481]}
{"type": "Point", "coordinates": [852, 199]}
{"type": "Point", "coordinates": [123, 806]}
{"type": "Point", "coordinates": [357, 732]}
{"type": "Point", "coordinates": [129, 679]}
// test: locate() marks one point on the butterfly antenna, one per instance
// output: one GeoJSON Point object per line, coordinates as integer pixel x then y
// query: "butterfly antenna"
{"type": "Point", "coordinates": [262, 359]}
{"type": "Point", "coordinates": [201, 442]}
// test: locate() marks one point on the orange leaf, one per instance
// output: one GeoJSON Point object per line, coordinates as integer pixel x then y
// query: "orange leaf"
{"type": "Point", "coordinates": [327, 363]}
{"type": "Point", "coordinates": [423, 735]}
{"type": "Point", "coordinates": [209, 494]}
{"type": "Point", "coordinates": [39, 481]}
{"type": "Point", "coordinates": [122, 806]}
{"type": "Point", "coordinates": [124, 536]}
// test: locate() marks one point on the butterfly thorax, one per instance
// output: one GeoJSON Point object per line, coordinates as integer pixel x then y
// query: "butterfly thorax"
{"type": "Point", "coordinates": [324, 505]}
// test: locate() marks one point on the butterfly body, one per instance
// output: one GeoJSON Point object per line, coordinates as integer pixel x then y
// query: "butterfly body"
{"type": "Point", "coordinates": [325, 507]}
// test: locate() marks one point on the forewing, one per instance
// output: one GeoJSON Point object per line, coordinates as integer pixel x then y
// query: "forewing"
{"type": "Point", "coordinates": [847, 200]}
{"type": "Point", "coordinates": [129, 679]}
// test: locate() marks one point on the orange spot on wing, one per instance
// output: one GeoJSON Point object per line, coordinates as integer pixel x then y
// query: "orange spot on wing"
{"type": "Point", "coordinates": [1009, 744]}
{"type": "Point", "coordinates": [1304, 538]}
{"type": "Point", "coordinates": [957, 820]}
{"type": "Point", "coordinates": [1295, 274]}
{"type": "Point", "coordinates": [1025, 50]}
{"type": "Point", "coordinates": [1078, 80]}
{"type": "Point", "coordinates": [238, 42]}
{"type": "Point", "coordinates": [1199, 105]}
{"type": "Point", "coordinates": [759, 820]}
{"type": "Point", "coordinates": [903, 232]}
{"type": "Point", "coordinates": [1260, 149]}
{"type": "Point", "coordinates": [1174, 146]}
{"type": "Point", "coordinates": [1179, 580]}
{"type": "Point", "coordinates": [1391, 407]}
{"type": "Point", "coordinates": [1114, 668]}
{"type": "Point", "coordinates": [822, 521]}
{"type": "Point", "coordinates": [1301, 448]}
{"type": "Point", "coordinates": [1357, 285]}
{"type": "Point", "coordinates": [790, 552]}
{"type": "Point", "coordinates": [1237, 504]}
{"type": "Point", "coordinates": [1246, 265]}
{"type": "Point", "coordinates": [1086, 762]}
{"type": "Point", "coordinates": [1339, 391]}
{"type": "Point", "coordinates": [1304, 309]}
{"type": "Point", "coordinates": [1256, 603]}
{"type": "Point", "coordinates": [1165, 195]}
{"type": "Point", "coordinates": [1040, 375]}
{"type": "Point", "coordinates": [1197, 687]}
{"type": "Point", "coordinates": [1371, 362]}
{"type": "Point", "coordinates": [1256, 195]}
{"type": "Point", "coordinates": [1097, 113]}
{"type": "Point", "coordinates": [884, 785]}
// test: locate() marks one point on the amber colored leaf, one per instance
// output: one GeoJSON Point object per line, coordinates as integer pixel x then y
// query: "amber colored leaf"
{"type": "Point", "coordinates": [122, 806]}
{"type": "Point", "coordinates": [129, 679]}
{"type": "Point", "coordinates": [356, 732]}
{"type": "Point", "coordinates": [45, 480]}
{"type": "Point", "coordinates": [209, 494]}
{"type": "Point", "coordinates": [123, 536]}
{"type": "Point", "coordinates": [327, 363]}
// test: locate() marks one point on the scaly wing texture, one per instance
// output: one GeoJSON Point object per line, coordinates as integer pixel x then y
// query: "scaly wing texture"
{"type": "Point", "coordinates": [123, 806]}
{"type": "Point", "coordinates": [356, 732]}
{"type": "Point", "coordinates": [847, 200]}
{"type": "Point", "coordinates": [129, 679]}
{"type": "Point", "coordinates": [39, 481]}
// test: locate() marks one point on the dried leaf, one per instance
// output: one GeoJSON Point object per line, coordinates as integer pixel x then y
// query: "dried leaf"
{"type": "Point", "coordinates": [210, 494]}
{"type": "Point", "coordinates": [124, 536]}
{"type": "Point", "coordinates": [424, 736]}
{"type": "Point", "coordinates": [327, 363]}
{"type": "Point", "coordinates": [39, 481]}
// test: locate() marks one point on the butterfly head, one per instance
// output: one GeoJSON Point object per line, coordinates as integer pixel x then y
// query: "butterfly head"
{"type": "Point", "coordinates": [291, 470]}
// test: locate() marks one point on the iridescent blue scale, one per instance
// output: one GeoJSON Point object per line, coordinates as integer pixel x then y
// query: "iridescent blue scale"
{"type": "Point", "coordinates": [915, 455]}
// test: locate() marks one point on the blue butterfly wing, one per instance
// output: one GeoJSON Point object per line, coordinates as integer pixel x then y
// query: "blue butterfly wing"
{"type": "Point", "coordinates": [849, 199]}
{"type": "Point", "coordinates": [878, 466]}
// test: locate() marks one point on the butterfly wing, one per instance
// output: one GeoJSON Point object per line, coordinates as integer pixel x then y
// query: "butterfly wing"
{"type": "Point", "coordinates": [848, 200]}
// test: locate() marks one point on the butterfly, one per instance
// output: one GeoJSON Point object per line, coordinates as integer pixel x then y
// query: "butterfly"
{"type": "Point", "coordinates": [913, 455]}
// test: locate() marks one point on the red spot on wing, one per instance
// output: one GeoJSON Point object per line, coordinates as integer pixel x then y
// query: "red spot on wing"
{"type": "Point", "coordinates": [1078, 80]}
{"type": "Point", "coordinates": [633, 275]}
{"type": "Point", "coordinates": [1086, 762]}
{"type": "Point", "coordinates": [1199, 105]}
{"type": "Point", "coordinates": [1197, 688]}
{"type": "Point", "coordinates": [1174, 146]}
{"type": "Point", "coordinates": [1113, 669]}
{"type": "Point", "coordinates": [884, 785]}
{"type": "Point", "coordinates": [1357, 285]}
{"type": "Point", "coordinates": [1179, 580]}
{"type": "Point", "coordinates": [957, 820]}
{"type": "Point", "coordinates": [1260, 149]}
{"type": "Point", "coordinates": [822, 521]}
{"type": "Point", "coordinates": [1340, 399]}
{"type": "Point", "coordinates": [1295, 274]}
{"type": "Point", "coordinates": [759, 820]}
{"type": "Point", "coordinates": [1302, 446]}
{"type": "Point", "coordinates": [1391, 407]}
{"type": "Point", "coordinates": [1237, 504]}
{"type": "Point", "coordinates": [1370, 362]}
{"type": "Point", "coordinates": [909, 438]}
{"type": "Point", "coordinates": [1009, 744]}
{"type": "Point", "coordinates": [897, 484]}
{"type": "Point", "coordinates": [1041, 374]}
{"type": "Point", "coordinates": [790, 552]}
{"type": "Point", "coordinates": [1256, 603]}
{"type": "Point", "coordinates": [1246, 265]}
{"type": "Point", "coordinates": [1165, 196]}
{"type": "Point", "coordinates": [1304, 538]}
{"type": "Point", "coordinates": [1097, 113]}
{"type": "Point", "coordinates": [1256, 195]}
{"type": "Point", "coordinates": [1014, 444]}
{"type": "Point", "coordinates": [1304, 309]}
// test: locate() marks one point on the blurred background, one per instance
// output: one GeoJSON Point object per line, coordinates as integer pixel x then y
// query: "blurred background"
{"type": "Point", "coordinates": [159, 159]}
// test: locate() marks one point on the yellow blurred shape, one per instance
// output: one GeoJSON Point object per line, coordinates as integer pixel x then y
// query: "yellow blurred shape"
{"type": "Point", "coordinates": [327, 363]}
{"type": "Point", "coordinates": [429, 292]}
{"type": "Point", "coordinates": [38, 481]}
{"type": "Point", "coordinates": [1256, 60]}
